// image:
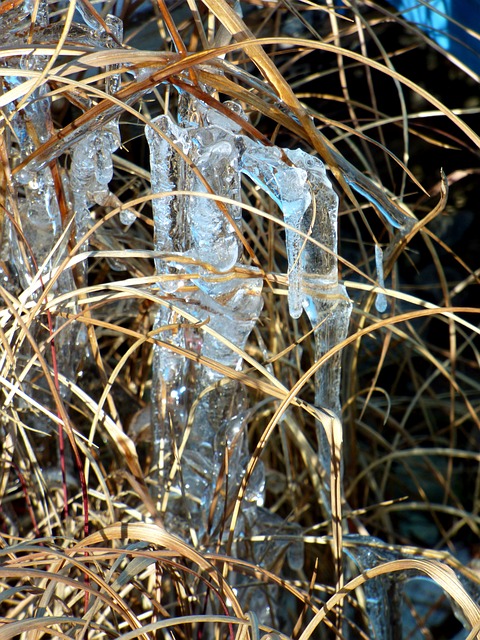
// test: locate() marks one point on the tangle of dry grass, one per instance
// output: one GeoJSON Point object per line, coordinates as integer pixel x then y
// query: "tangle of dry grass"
{"type": "Point", "coordinates": [86, 552]}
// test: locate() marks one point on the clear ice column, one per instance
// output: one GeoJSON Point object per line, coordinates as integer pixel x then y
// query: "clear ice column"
{"type": "Point", "coordinates": [325, 300]}
{"type": "Point", "coordinates": [171, 372]}
{"type": "Point", "coordinates": [309, 206]}
{"type": "Point", "coordinates": [196, 411]}
{"type": "Point", "coordinates": [286, 185]}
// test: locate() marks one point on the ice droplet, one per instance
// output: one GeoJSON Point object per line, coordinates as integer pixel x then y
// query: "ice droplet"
{"type": "Point", "coordinates": [127, 217]}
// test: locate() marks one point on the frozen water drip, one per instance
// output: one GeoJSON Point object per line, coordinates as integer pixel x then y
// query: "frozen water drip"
{"type": "Point", "coordinates": [381, 299]}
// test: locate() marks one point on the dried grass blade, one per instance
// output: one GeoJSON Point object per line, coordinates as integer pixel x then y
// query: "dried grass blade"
{"type": "Point", "coordinates": [440, 573]}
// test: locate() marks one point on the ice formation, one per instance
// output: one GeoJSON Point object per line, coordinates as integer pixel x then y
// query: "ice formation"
{"type": "Point", "coordinates": [325, 300]}
{"type": "Point", "coordinates": [91, 172]}
{"type": "Point", "coordinates": [45, 193]}
{"type": "Point", "coordinates": [287, 185]}
{"type": "Point", "coordinates": [195, 237]}
{"type": "Point", "coordinates": [381, 299]}
{"type": "Point", "coordinates": [392, 215]}
{"type": "Point", "coordinates": [206, 308]}
{"type": "Point", "coordinates": [199, 416]}
{"type": "Point", "coordinates": [382, 598]}
{"type": "Point", "coordinates": [41, 223]}
{"type": "Point", "coordinates": [193, 233]}
{"type": "Point", "coordinates": [387, 610]}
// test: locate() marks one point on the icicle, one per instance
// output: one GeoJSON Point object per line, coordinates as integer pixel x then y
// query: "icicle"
{"type": "Point", "coordinates": [325, 300]}
{"type": "Point", "coordinates": [115, 25]}
{"type": "Point", "coordinates": [38, 204]}
{"type": "Point", "coordinates": [213, 238]}
{"type": "Point", "coordinates": [287, 187]}
{"type": "Point", "coordinates": [91, 171]}
{"type": "Point", "coordinates": [365, 187]}
{"type": "Point", "coordinates": [384, 594]}
{"type": "Point", "coordinates": [381, 596]}
{"type": "Point", "coordinates": [90, 18]}
{"type": "Point", "coordinates": [167, 174]}
{"type": "Point", "coordinates": [39, 215]}
{"type": "Point", "coordinates": [191, 400]}
{"type": "Point", "coordinates": [381, 299]}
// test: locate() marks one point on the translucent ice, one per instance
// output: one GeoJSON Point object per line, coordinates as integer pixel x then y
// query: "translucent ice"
{"type": "Point", "coordinates": [329, 314]}
{"type": "Point", "coordinates": [381, 594]}
{"type": "Point", "coordinates": [202, 231]}
{"type": "Point", "coordinates": [115, 25]}
{"type": "Point", "coordinates": [325, 300]}
{"type": "Point", "coordinates": [365, 187]}
{"type": "Point", "coordinates": [391, 599]}
{"type": "Point", "coordinates": [381, 299]}
{"type": "Point", "coordinates": [194, 407]}
{"type": "Point", "coordinates": [127, 217]}
{"type": "Point", "coordinates": [213, 237]}
{"type": "Point", "coordinates": [91, 171]}
{"type": "Point", "coordinates": [163, 172]}
{"type": "Point", "coordinates": [309, 206]}
{"type": "Point", "coordinates": [199, 417]}
{"type": "Point", "coordinates": [286, 185]}
{"type": "Point", "coordinates": [33, 247]}
{"type": "Point", "coordinates": [46, 191]}
{"type": "Point", "coordinates": [15, 21]}
{"type": "Point", "coordinates": [38, 203]}
{"type": "Point", "coordinates": [197, 228]}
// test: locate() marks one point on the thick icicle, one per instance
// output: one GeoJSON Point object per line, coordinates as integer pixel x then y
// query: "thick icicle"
{"type": "Point", "coordinates": [38, 206]}
{"type": "Point", "coordinates": [199, 415]}
{"type": "Point", "coordinates": [325, 300]}
{"type": "Point", "coordinates": [91, 171]}
{"type": "Point", "coordinates": [30, 245]}
{"type": "Point", "coordinates": [41, 186]}
{"type": "Point", "coordinates": [162, 171]}
{"type": "Point", "coordinates": [309, 206]}
{"type": "Point", "coordinates": [213, 237]}
{"type": "Point", "coordinates": [192, 401]}
{"type": "Point", "coordinates": [286, 185]}
{"type": "Point", "coordinates": [381, 594]}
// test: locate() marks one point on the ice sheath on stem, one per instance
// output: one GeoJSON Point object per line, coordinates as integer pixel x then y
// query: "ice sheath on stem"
{"type": "Point", "coordinates": [199, 415]}
{"type": "Point", "coordinates": [381, 303]}
{"type": "Point", "coordinates": [43, 194]}
{"type": "Point", "coordinates": [196, 238]}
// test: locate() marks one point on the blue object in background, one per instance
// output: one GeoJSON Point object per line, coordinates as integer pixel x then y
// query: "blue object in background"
{"type": "Point", "coordinates": [450, 24]}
